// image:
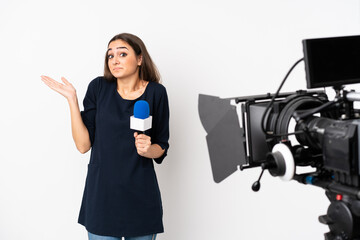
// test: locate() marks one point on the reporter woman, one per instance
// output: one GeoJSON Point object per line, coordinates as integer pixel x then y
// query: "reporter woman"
{"type": "Point", "coordinates": [121, 196]}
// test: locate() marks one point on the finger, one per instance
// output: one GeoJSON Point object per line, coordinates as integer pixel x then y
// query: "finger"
{"type": "Point", "coordinates": [138, 138]}
{"type": "Point", "coordinates": [135, 134]}
{"type": "Point", "coordinates": [64, 80]}
{"type": "Point", "coordinates": [143, 136]}
{"type": "Point", "coordinates": [143, 143]}
{"type": "Point", "coordinates": [52, 84]}
{"type": "Point", "coordinates": [143, 148]}
{"type": "Point", "coordinates": [142, 139]}
{"type": "Point", "coordinates": [50, 80]}
{"type": "Point", "coordinates": [140, 149]}
{"type": "Point", "coordinates": [139, 135]}
{"type": "Point", "coordinates": [44, 77]}
{"type": "Point", "coordinates": [53, 87]}
{"type": "Point", "coordinates": [47, 78]}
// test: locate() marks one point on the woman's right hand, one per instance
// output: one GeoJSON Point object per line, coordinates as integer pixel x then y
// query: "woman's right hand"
{"type": "Point", "coordinates": [66, 89]}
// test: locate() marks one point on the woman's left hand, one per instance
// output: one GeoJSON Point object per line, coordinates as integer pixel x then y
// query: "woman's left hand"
{"type": "Point", "coordinates": [142, 144]}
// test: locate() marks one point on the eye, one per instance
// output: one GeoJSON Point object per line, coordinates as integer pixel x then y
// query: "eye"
{"type": "Point", "coordinates": [123, 54]}
{"type": "Point", "coordinates": [110, 56]}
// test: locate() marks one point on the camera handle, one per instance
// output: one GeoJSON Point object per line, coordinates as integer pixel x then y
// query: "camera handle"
{"type": "Point", "coordinates": [280, 163]}
{"type": "Point", "coordinates": [256, 185]}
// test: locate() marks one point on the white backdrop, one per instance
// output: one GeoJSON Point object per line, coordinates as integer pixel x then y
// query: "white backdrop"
{"type": "Point", "coordinates": [223, 48]}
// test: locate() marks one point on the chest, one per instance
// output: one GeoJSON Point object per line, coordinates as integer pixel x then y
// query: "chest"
{"type": "Point", "coordinates": [114, 112]}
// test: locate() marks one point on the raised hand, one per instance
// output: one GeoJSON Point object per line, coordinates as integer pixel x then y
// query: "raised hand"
{"type": "Point", "coordinates": [66, 89]}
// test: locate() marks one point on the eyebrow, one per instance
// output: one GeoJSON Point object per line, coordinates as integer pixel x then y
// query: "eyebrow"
{"type": "Point", "coordinates": [109, 49]}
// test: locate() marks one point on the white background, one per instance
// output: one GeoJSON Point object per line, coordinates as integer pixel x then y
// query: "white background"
{"type": "Point", "coordinates": [222, 48]}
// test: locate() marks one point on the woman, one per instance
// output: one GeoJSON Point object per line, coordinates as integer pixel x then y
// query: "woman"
{"type": "Point", "coordinates": [121, 196]}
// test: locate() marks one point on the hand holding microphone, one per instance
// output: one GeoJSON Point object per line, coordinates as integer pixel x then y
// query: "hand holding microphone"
{"type": "Point", "coordinates": [142, 144]}
{"type": "Point", "coordinates": [141, 121]}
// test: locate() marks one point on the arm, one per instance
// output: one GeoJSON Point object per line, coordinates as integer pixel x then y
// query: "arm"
{"type": "Point", "coordinates": [79, 131]}
{"type": "Point", "coordinates": [159, 141]}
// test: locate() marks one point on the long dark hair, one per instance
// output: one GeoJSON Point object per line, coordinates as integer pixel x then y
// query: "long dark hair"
{"type": "Point", "coordinates": [147, 71]}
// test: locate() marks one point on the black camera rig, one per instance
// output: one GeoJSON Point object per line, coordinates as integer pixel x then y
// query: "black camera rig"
{"type": "Point", "coordinates": [282, 131]}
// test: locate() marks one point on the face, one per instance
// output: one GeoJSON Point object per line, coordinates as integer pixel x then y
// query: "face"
{"type": "Point", "coordinates": [122, 60]}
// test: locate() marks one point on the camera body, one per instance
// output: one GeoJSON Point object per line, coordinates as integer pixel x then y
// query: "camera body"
{"type": "Point", "coordinates": [326, 133]}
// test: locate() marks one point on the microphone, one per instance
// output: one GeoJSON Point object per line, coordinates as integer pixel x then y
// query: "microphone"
{"type": "Point", "coordinates": [141, 120]}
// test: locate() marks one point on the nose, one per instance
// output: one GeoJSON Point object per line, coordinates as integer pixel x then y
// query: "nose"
{"type": "Point", "coordinates": [115, 60]}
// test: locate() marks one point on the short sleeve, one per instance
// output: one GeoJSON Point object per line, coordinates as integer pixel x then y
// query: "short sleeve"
{"type": "Point", "coordinates": [161, 122]}
{"type": "Point", "coordinates": [89, 113]}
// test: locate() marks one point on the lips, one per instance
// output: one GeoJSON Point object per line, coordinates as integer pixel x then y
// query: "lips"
{"type": "Point", "coordinates": [117, 69]}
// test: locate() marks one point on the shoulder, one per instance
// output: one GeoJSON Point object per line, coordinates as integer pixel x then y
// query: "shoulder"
{"type": "Point", "coordinates": [158, 89]}
{"type": "Point", "coordinates": [98, 83]}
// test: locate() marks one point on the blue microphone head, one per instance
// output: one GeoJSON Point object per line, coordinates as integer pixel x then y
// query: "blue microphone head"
{"type": "Point", "coordinates": [141, 109]}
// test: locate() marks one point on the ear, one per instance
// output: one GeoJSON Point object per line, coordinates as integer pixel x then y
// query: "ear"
{"type": "Point", "coordinates": [139, 59]}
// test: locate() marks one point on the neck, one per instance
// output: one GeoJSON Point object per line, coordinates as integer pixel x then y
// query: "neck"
{"type": "Point", "coordinates": [129, 84]}
{"type": "Point", "coordinates": [131, 89]}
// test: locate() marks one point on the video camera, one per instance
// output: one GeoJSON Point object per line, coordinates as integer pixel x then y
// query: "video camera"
{"type": "Point", "coordinates": [284, 131]}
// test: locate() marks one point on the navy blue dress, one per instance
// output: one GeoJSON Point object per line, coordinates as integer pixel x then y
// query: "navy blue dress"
{"type": "Point", "coordinates": [122, 196]}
